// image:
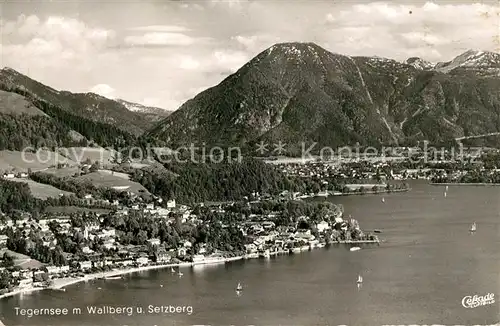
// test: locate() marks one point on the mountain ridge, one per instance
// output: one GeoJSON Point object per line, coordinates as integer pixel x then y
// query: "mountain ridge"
{"type": "Point", "coordinates": [87, 105]}
{"type": "Point", "coordinates": [301, 92]}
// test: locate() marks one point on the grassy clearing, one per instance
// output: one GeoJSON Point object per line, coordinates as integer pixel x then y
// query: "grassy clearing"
{"type": "Point", "coordinates": [121, 175]}
{"type": "Point", "coordinates": [75, 209]}
{"type": "Point", "coordinates": [12, 103]}
{"type": "Point", "coordinates": [42, 191]}
{"type": "Point", "coordinates": [105, 179]}
{"type": "Point", "coordinates": [21, 260]}
{"type": "Point", "coordinates": [21, 162]}
{"type": "Point", "coordinates": [81, 154]}
{"type": "Point", "coordinates": [63, 172]}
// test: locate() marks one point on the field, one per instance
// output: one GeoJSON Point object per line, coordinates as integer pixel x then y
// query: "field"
{"type": "Point", "coordinates": [21, 260]}
{"type": "Point", "coordinates": [63, 172]}
{"type": "Point", "coordinates": [121, 175]}
{"type": "Point", "coordinates": [80, 154]}
{"type": "Point", "coordinates": [12, 103]}
{"type": "Point", "coordinates": [42, 191]}
{"type": "Point", "coordinates": [21, 162]}
{"type": "Point", "coordinates": [75, 209]}
{"type": "Point", "coordinates": [107, 179]}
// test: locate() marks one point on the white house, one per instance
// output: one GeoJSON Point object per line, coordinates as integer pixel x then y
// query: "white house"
{"type": "Point", "coordinates": [84, 265]}
{"type": "Point", "coordinates": [9, 176]}
{"type": "Point", "coordinates": [87, 250]}
{"type": "Point", "coordinates": [171, 203]}
{"type": "Point", "coordinates": [142, 261]}
{"type": "Point", "coordinates": [56, 269]}
{"type": "Point", "coordinates": [154, 242]}
{"type": "Point", "coordinates": [322, 226]}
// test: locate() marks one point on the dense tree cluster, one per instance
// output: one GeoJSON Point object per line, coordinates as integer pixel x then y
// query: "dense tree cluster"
{"type": "Point", "coordinates": [33, 246]}
{"type": "Point", "coordinates": [473, 176]}
{"type": "Point", "coordinates": [62, 121]}
{"type": "Point", "coordinates": [21, 131]}
{"type": "Point", "coordinates": [192, 183]}
{"type": "Point", "coordinates": [5, 279]}
{"type": "Point", "coordinates": [101, 133]}
{"type": "Point", "coordinates": [17, 196]}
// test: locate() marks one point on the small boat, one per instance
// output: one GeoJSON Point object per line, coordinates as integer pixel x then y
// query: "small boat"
{"type": "Point", "coordinates": [355, 248]}
{"type": "Point", "coordinates": [445, 194]}
{"type": "Point", "coordinates": [383, 199]}
{"type": "Point", "coordinates": [360, 279]}
{"type": "Point", "coordinates": [473, 227]}
{"type": "Point", "coordinates": [113, 278]}
{"type": "Point", "coordinates": [172, 270]}
{"type": "Point", "coordinates": [377, 231]}
{"type": "Point", "coordinates": [180, 273]}
{"type": "Point", "coordinates": [446, 188]}
{"type": "Point", "coordinates": [161, 285]}
{"type": "Point", "coordinates": [239, 287]}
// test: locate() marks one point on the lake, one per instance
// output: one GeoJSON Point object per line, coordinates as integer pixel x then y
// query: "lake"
{"type": "Point", "coordinates": [426, 265]}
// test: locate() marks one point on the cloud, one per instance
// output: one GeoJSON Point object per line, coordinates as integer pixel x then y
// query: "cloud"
{"type": "Point", "coordinates": [52, 42]}
{"type": "Point", "coordinates": [172, 50]}
{"type": "Point", "coordinates": [435, 31]}
{"type": "Point", "coordinates": [188, 63]}
{"type": "Point", "coordinates": [159, 39]}
{"type": "Point", "coordinates": [161, 28]}
{"type": "Point", "coordinates": [104, 90]}
{"type": "Point", "coordinates": [231, 60]}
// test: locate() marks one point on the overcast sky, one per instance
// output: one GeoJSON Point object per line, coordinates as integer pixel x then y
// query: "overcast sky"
{"type": "Point", "coordinates": [162, 53]}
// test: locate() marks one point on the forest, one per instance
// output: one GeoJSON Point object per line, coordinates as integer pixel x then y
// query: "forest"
{"type": "Point", "coordinates": [194, 183]}
{"type": "Point", "coordinates": [18, 132]}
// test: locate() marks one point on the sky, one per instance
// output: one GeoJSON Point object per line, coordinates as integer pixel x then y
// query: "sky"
{"type": "Point", "coordinates": [163, 52]}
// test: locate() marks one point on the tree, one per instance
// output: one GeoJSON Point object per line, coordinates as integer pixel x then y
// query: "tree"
{"type": "Point", "coordinates": [8, 260]}
{"type": "Point", "coordinates": [5, 279]}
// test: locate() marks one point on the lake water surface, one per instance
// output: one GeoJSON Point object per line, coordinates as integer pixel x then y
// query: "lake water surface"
{"type": "Point", "coordinates": [427, 263]}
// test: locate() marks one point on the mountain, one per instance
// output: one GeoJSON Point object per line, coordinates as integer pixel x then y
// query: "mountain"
{"type": "Point", "coordinates": [480, 63]}
{"type": "Point", "coordinates": [299, 92]}
{"type": "Point", "coordinates": [85, 105]}
{"type": "Point", "coordinates": [151, 113]}
{"type": "Point", "coordinates": [419, 63]}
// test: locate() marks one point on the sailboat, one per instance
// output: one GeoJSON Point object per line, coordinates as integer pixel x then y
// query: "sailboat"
{"type": "Point", "coordinates": [360, 279]}
{"type": "Point", "coordinates": [239, 287]}
{"type": "Point", "coordinates": [172, 270]}
{"type": "Point", "coordinates": [445, 194]}
{"type": "Point", "coordinates": [180, 273]}
{"type": "Point", "coordinates": [446, 188]}
{"type": "Point", "coordinates": [473, 227]}
{"type": "Point", "coordinates": [383, 199]}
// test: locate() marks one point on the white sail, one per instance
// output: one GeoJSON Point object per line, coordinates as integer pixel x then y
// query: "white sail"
{"type": "Point", "coordinates": [360, 279]}
{"type": "Point", "coordinates": [473, 227]}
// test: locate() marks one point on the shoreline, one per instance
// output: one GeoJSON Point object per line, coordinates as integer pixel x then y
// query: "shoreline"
{"type": "Point", "coordinates": [60, 283]}
{"type": "Point", "coordinates": [463, 184]}
{"type": "Point", "coordinates": [372, 192]}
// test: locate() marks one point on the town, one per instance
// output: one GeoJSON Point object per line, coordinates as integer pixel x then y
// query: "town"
{"type": "Point", "coordinates": [105, 238]}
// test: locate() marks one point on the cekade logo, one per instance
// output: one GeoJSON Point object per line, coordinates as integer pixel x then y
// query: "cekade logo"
{"type": "Point", "coordinates": [476, 300]}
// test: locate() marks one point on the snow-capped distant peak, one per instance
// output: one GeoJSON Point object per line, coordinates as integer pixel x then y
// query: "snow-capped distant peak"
{"type": "Point", "coordinates": [419, 63]}
{"type": "Point", "coordinates": [132, 106]}
{"type": "Point", "coordinates": [135, 107]}
{"type": "Point", "coordinates": [473, 59]}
